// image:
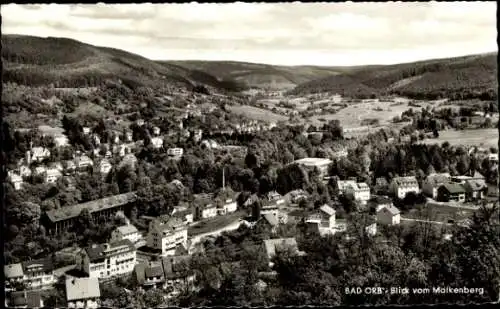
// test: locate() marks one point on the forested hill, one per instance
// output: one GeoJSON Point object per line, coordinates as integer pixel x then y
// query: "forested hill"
{"type": "Point", "coordinates": [462, 77]}
{"type": "Point", "coordinates": [63, 62]}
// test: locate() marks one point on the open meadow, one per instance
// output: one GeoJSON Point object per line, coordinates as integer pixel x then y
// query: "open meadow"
{"type": "Point", "coordinates": [257, 113]}
{"type": "Point", "coordinates": [477, 137]}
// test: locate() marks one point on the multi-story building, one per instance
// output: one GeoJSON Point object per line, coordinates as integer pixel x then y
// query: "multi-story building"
{"type": "Point", "coordinates": [166, 234]}
{"type": "Point", "coordinates": [388, 215]}
{"type": "Point", "coordinates": [83, 292]}
{"type": "Point", "coordinates": [451, 192]}
{"type": "Point", "coordinates": [360, 191]}
{"type": "Point", "coordinates": [400, 186]}
{"type": "Point", "coordinates": [38, 273]}
{"type": "Point", "coordinates": [104, 167]}
{"type": "Point", "coordinates": [320, 163]}
{"type": "Point", "coordinates": [15, 180]}
{"type": "Point", "coordinates": [83, 162]}
{"type": "Point", "coordinates": [52, 175]}
{"type": "Point", "coordinates": [157, 142]}
{"type": "Point", "coordinates": [13, 275]}
{"type": "Point", "coordinates": [175, 152]}
{"type": "Point", "coordinates": [37, 154]}
{"type": "Point", "coordinates": [432, 182]}
{"type": "Point", "coordinates": [128, 231]}
{"type": "Point", "coordinates": [108, 260]}
{"type": "Point", "coordinates": [59, 220]}
{"type": "Point", "coordinates": [61, 141]}
{"type": "Point", "coordinates": [475, 189]}
{"type": "Point", "coordinates": [206, 211]}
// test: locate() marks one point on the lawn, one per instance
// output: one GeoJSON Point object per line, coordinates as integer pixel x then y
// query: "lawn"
{"type": "Point", "coordinates": [440, 213]}
{"type": "Point", "coordinates": [479, 137]}
{"type": "Point", "coordinates": [257, 113]}
{"type": "Point", "coordinates": [352, 115]}
{"type": "Point", "coordinates": [213, 224]}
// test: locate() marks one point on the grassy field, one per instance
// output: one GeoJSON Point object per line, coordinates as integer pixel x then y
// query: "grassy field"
{"type": "Point", "coordinates": [90, 109]}
{"type": "Point", "coordinates": [353, 115]}
{"type": "Point", "coordinates": [479, 137]}
{"type": "Point", "coordinates": [257, 113]}
{"type": "Point", "coordinates": [214, 224]}
{"type": "Point", "coordinates": [440, 213]}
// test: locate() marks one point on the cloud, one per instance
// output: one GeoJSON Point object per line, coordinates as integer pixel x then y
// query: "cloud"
{"type": "Point", "coordinates": [300, 33]}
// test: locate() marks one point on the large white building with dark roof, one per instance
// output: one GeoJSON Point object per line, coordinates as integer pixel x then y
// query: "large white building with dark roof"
{"type": "Point", "coordinates": [108, 260]}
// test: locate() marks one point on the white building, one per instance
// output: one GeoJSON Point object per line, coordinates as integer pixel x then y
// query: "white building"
{"type": "Point", "coordinates": [86, 130]}
{"type": "Point", "coordinates": [108, 260]}
{"type": "Point", "coordinates": [360, 191]}
{"type": "Point", "coordinates": [175, 152]}
{"type": "Point", "coordinates": [388, 215]}
{"type": "Point", "coordinates": [433, 182]}
{"type": "Point", "coordinates": [52, 174]}
{"type": "Point", "coordinates": [37, 154]}
{"type": "Point", "coordinates": [128, 231]}
{"type": "Point", "coordinates": [156, 131]}
{"type": "Point", "coordinates": [24, 171]}
{"type": "Point", "coordinates": [400, 186]}
{"type": "Point", "coordinates": [228, 206]}
{"type": "Point", "coordinates": [320, 163]}
{"type": "Point", "coordinates": [83, 292]}
{"type": "Point", "coordinates": [15, 180]}
{"type": "Point", "coordinates": [166, 235]}
{"type": "Point", "coordinates": [61, 141]}
{"type": "Point", "coordinates": [129, 137]}
{"type": "Point", "coordinates": [83, 162]}
{"type": "Point", "coordinates": [157, 142]}
{"type": "Point", "coordinates": [38, 273]}
{"type": "Point", "coordinates": [342, 185]}
{"type": "Point", "coordinates": [104, 167]}
{"type": "Point", "coordinates": [493, 157]}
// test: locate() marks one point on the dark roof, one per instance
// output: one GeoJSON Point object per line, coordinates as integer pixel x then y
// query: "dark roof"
{"type": "Point", "coordinates": [153, 271]}
{"type": "Point", "coordinates": [182, 213]}
{"type": "Point", "coordinates": [453, 188]}
{"type": "Point", "coordinates": [140, 271]}
{"type": "Point", "coordinates": [173, 267]}
{"type": "Point", "coordinates": [31, 299]}
{"type": "Point", "coordinates": [381, 200]}
{"type": "Point", "coordinates": [35, 265]}
{"type": "Point", "coordinates": [97, 252]}
{"type": "Point", "coordinates": [65, 213]}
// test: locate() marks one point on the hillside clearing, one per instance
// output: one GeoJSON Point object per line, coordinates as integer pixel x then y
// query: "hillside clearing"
{"type": "Point", "coordinates": [479, 137]}
{"type": "Point", "coordinates": [256, 113]}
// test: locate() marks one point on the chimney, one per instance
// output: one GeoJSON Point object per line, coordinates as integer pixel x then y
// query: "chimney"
{"type": "Point", "coordinates": [223, 179]}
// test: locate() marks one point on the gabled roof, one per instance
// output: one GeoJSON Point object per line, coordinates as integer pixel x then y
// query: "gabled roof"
{"type": "Point", "coordinates": [82, 288]}
{"type": "Point", "coordinates": [30, 299]}
{"type": "Point", "coordinates": [13, 270]}
{"type": "Point", "coordinates": [34, 265]}
{"type": "Point", "coordinates": [271, 245]}
{"type": "Point", "coordinates": [65, 213]}
{"type": "Point", "coordinates": [453, 188]}
{"type": "Point", "coordinates": [271, 219]}
{"type": "Point", "coordinates": [436, 179]}
{"type": "Point", "coordinates": [127, 229]}
{"type": "Point", "coordinates": [408, 180]}
{"type": "Point", "coordinates": [97, 252]}
{"type": "Point", "coordinates": [153, 271]}
{"type": "Point", "coordinates": [393, 210]}
{"type": "Point", "coordinates": [476, 184]}
{"type": "Point", "coordinates": [328, 210]}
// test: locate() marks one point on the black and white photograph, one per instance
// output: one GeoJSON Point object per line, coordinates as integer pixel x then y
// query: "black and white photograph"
{"type": "Point", "coordinates": [250, 154]}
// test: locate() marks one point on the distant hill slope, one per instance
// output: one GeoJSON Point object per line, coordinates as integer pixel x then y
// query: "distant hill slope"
{"type": "Point", "coordinates": [461, 77]}
{"type": "Point", "coordinates": [260, 75]}
{"type": "Point", "coordinates": [65, 62]}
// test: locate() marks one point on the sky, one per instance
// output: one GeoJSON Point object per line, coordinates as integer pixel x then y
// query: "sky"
{"type": "Point", "coordinates": [328, 34]}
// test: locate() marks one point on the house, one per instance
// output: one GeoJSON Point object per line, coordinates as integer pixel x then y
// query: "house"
{"type": "Point", "coordinates": [475, 189]}
{"type": "Point", "coordinates": [451, 192]}
{"type": "Point", "coordinates": [69, 166]}
{"type": "Point", "coordinates": [208, 210]}
{"type": "Point", "coordinates": [16, 181]}
{"type": "Point", "coordinates": [210, 144]}
{"type": "Point", "coordinates": [157, 142]}
{"type": "Point", "coordinates": [38, 273]}
{"type": "Point", "coordinates": [177, 271]}
{"type": "Point", "coordinates": [274, 196]}
{"type": "Point", "coordinates": [129, 137]}
{"type": "Point", "coordinates": [381, 185]}
{"type": "Point", "coordinates": [25, 299]}
{"type": "Point", "coordinates": [83, 162]}
{"type": "Point", "coordinates": [86, 130]}
{"type": "Point", "coordinates": [140, 122]}
{"type": "Point", "coordinates": [175, 152]}
{"type": "Point", "coordinates": [51, 175]}
{"type": "Point", "coordinates": [130, 160]}
{"type": "Point", "coordinates": [13, 274]}
{"type": "Point", "coordinates": [24, 171]}
{"type": "Point", "coordinates": [296, 195]}
{"type": "Point", "coordinates": [378, 202]}
{"type": "Point", "coordinates": [400, 186]}
{"type": "Point", "coordinates": [83, 292]}
{"type": "Point", "coordinates": [360, 191]}
{"type": "Point", "coordinates": [40, 170]}
{"type": "Point", "coordinates": [104, 167]}
{"type": "Point", "coordinates": [166, 234]}
{"type": "Point", "coordinates": [462, 179]}
{"type": "Point", "coordinates": [37, 154]}
{"type": "Point", "coordinates": [61, 141]}
{"type": "Point", "coordinates": [297, 216]}
{"type": "Point", "coordinates": [96, 139]}
{"type": "Point", "coordinates": [150, 275]}
{"type": "Point", "coordinates": [128, 231]}
{"type": "Point", "coordinates": [493, 157]}
{"type": "Point", "coordinates": [433, 182]}
{"type": "Point", "coordinates": [272, 246]}
{"type": "Point", "coordinates": [108, 260]}
{"type": "Point", "coordinates": [342, 185]}
{"type": "Point", "coordinates": [156, 131]}
{"type": "Point", "coordinates": [371, 229]}
{"type": "Point", "coordinates": [269, 221]}
{"type": "Point", "coordinates": [186, 215]}
{"type": "Point", "coordinates": [320, 163]}
{"type": "Point", "coordinates": [388, 215]}
{"type": "Point", "coordinates": [251, 200]}
{"type": "Point", "coordinates": [58, 220]}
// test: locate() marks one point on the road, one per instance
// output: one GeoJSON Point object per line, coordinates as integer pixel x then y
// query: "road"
{"type": "Point", "coordinates": [425, 221]}
{"type": "Point", "coordinates": [230, 227]}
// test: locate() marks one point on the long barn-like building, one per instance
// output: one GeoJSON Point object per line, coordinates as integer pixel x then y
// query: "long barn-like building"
{"type": "Point", "coordinates": [59, 220]}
